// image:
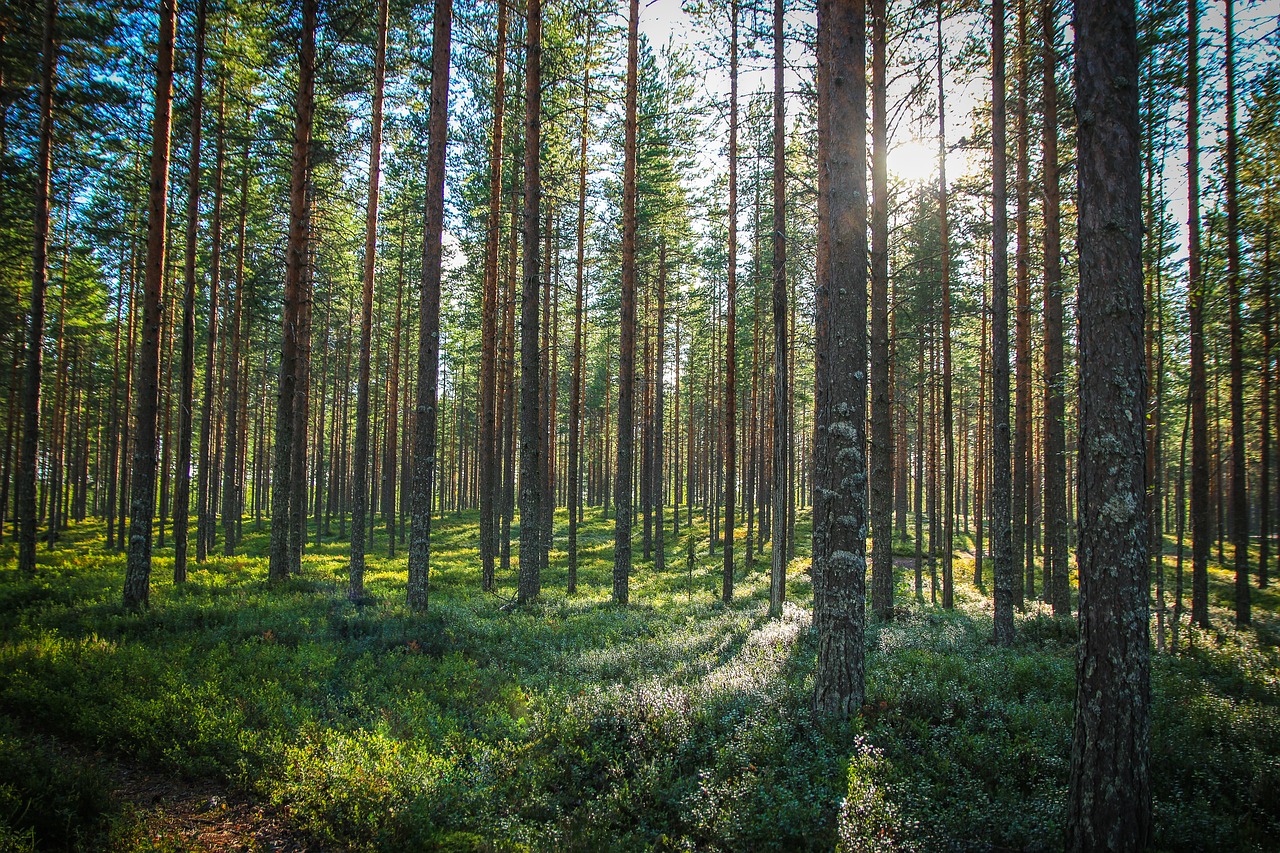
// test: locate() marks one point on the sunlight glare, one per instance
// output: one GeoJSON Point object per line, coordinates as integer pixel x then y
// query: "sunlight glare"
{"type": "Point", "coordinates": [913, 162]}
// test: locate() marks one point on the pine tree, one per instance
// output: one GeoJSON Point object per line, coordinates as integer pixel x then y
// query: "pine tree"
{"type": "Point", "coordinates": [425, 412]}
{"type": "Point", "coordinates": [1109, 800]}
{"type": "Point", "coordinates": [840, 508]}
{"type": "Point", "coordinates": [137, 579]}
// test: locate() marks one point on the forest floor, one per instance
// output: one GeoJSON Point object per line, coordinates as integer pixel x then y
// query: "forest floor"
{"type": "Point", "coordinates": [234, 715]}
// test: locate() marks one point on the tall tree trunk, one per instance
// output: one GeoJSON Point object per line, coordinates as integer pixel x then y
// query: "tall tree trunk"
{"type": "Point", "coordinates": [204, 501]}
{"type": "Point", "coordinates": [1239, 474]}
{"type": "Point", "coordinates": [295, 271]}
{"type": "Point", "coordinates": [1055, 438]}
{"type": "Point", "coordinates": [980, 472]}
{"type": "Point", "coordinates": [840, 505]}
{"type": "Point", "coordinates": [360, 510]}
{"type": "Point", "coordinates": [731, 317]}
{"type": "Point", "coordinates": [125, 432]}
{"type": "Point", "coordinates": [187, 370]}
{"type": "Point", "coordinates": [531, 459]}
{"type": "Point", "coordinates": [1023, 586]}
{"type": "Point", "coordinates": [948, 433]}
{"type": "Point", "coordinates": [509, 407]}
{"type": "Point", "coordinates": [137, 579]}
{"type": "Point", "coordinates": [1109, 800]}
{"type": "Point", "coordinates": [40, 282]}
{"type": "Point", "coordinates": [489, 428]}
{"type": "Point", "coordinates": [232, 482]}
{"type": "Point", "coordinates": [627, 338]}
{"type": "Point", "coordinates": [389, 472]}
{"type": "Point", "coordinates": [881, 400]}
{"type": "Point", "coordinates": [425, 411]}
{"type": "Point", "coordinates": [1200, 532]}
{"type": "Point", "coordinates": [778, 575]}
{"type": "Point", "coordinates": [658, 489]}
{"type": "Point", "coordinates": [1264, 483]}
{"type": "Point", "coordinates": [1001, 497]}
{"type": "Point", "coordinates": [575, 393]}
{"type": "Point", "coordinates": [113, 444]}
{"type": "Point", "coordinates": [302, 403]}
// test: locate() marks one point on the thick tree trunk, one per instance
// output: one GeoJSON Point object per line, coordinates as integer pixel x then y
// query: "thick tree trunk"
{"type": "Point", "coordinates": [295, 272]}
{"type": "Point", "coordinates": [627, 339]}
{"type": "Point", "coordinates": [1001, 497]}
{"type": "Point", "coordinates": [360, 510]}
{"type": "Point", "coordinates": [425, 410]}
{"type": "Point", "coordinates": [1109, 801]}
{"type": "Point", "coordinates": [187, 370]}
{"type": "Point", "coordinates": [40, 281]}
{"type": "Point", "coordinates": [137, 579]}
{"type": "Point", "coordinates": [531, 458]}
{"type": "Point", "coordinates": [840, 504]}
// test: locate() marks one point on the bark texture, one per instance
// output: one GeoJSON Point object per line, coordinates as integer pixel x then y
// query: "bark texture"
{"type": "Point", "coordinates": [531, 459]}
{"type": "Point", "coordinates": [26, 491]}
{"type": "Point", "coordinates": [840, 477]}
{"type": "Point", "coordinates": [1109, 804]}
{"type": "Point", "coordinates": [137, 572]}
{"type": "Point", "coordinates": [425, 411]}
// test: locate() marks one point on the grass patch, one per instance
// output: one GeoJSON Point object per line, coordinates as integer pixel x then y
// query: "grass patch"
{"type": "Point", "coordinates": [674, 724]}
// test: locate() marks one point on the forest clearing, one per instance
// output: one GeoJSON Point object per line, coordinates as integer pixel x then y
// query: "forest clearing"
{"type": "Point", "coordinates": [586, 425]}
{"type": "Point", "coordinates": [674, 723]}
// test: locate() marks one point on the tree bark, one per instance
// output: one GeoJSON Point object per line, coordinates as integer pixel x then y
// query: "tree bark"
{"type": "Point", "coordinates": [390, 474]}
{"type": "Point", "coordinates": [778, 575]}
{"type": "Point", "coordinates": [1239, 474]}
{"type": "Point", "coordinates": [425, 410]}
{"type": "Point", "coordinates": [840, 504]}
{"type": "Point", "coordinates": [232, 483]}
{"type": "Point", "coordinates": [948, 434]}
{"type": "Point", "coordinates": [1200, 532]}
{"type": "Point", "coordinates": [731, 322]}
{"type": "Point", "coordinates": [1001, 497]}
{"type": "Point", "coordinates": [489, 429]}
{"type": "Point", "coordinates": [26, 490]}
{"type": "Point", "coordinates": [295, 271]}
{"type": "Point", "coordinates": [881, 400]}
{"type": "Point", "coordinates": [359, 508]}
{"type": "Point", "coordinates": [1109, 800]}
{"type": "Point", "coordinates": [627, 338]}
{"type": "Point", "coordinates": [182, 485]}
{"type": "Point", "coordinates": [1055, 441]}
{"type": "Point", "coordinates": [531, 459]}
{"type": "Point", "coordinates": [204, 501]}
{"type": "Point", "coordinates": [137, 579]}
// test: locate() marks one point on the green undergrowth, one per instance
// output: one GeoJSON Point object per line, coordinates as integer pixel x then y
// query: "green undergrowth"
{"type": "Point", "coordinates": [676, 723]}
